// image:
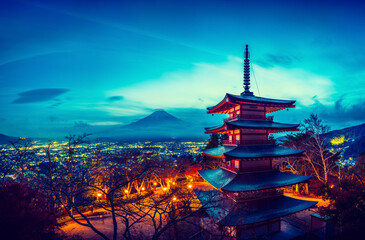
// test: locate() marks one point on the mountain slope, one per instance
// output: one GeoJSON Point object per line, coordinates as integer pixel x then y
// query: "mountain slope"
{"type": "Point", "coordinates": [157, 118]}
{"type": "Point", "coordinates": [6, 139]}
{"type": "Point", "coordinates": [159, 125]}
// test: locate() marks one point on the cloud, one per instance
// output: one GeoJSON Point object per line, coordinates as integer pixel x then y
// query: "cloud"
{"type": "Point", "coordinates": [55, 105]}
{"type": "Point", "coordinates": [39, 95]}
{"type": "Point", "coordinates": [115, 98]}
{"type": "Point", "coordinates": [81, 124]}
{"type": "Point", "coordinates": [55, 119]}
{"type": "Point", "coordinates": [183, 89]}
{"type": "Point", "coordinates": [277, 59]}
{"type": "Point", "coordinates": [342, 111]}
{"type": "Point", "coordinates": [105, 123]}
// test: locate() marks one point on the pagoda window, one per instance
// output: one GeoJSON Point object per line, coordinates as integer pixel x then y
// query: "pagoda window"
{"type": "Point", "coordinates": [238, 138]}
{"type": "Point", "coordinates": [237, 164]}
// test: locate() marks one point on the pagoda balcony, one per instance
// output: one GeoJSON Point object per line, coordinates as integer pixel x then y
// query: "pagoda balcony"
{"type": "Point", "coordinates": [231, 118]}
{"type": "Point", "coordinates": [250, 195]}
{"type": "Point", "coordinates": [251, 117]}
{"type": "Point", "coordinates": [244, 142]}
{"type": "Point", "coordinates": [228, 167]}
{"type": "Point", "coordinates": [231, 142]}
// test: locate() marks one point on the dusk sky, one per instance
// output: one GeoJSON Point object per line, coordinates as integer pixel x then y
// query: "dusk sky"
{"type": "Point", "coordinates": [102, 63]}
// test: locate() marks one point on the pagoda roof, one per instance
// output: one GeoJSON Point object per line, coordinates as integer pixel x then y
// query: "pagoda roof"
{"type": "Point", "coordinates": [231, 100]}
{"type": "Point", "coordinates": [252, 124]}
{"type": "Point", "coordinates": [251, 151]}
{"type": "Point", "coordinates": [237, 182]}
{"type": "Point", "coordinates": [226, 212]}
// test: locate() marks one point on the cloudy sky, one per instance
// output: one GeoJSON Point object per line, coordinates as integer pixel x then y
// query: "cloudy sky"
{"type": "Point", "coordinates": [64, 64]}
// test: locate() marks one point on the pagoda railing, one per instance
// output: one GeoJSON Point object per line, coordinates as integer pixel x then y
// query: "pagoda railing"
{"type": "Point", "coordinates": [231, 118]}
{"type": "Point", "coordinates": [254, 117]}
{"type": "Point", "coordinates": [254, 142]}
{"type": "Point", "coordinates": [244, 142]}
{"type": "Point", "coordinates": [232, 168]}
{"type": "Point", "coordinates": [258, 117]}
{"type": "Point", "coordinates": [244, 196]}
{"type": "Point", "coordinates": [231, 142]}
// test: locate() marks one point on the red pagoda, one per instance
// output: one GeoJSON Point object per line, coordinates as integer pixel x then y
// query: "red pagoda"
{"type": "Point", "coordinates": [247, 200]}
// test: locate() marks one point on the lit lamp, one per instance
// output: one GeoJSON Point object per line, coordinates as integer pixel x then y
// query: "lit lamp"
{"type": "Point", "coordinates": [98, 196]}
{"type": "Point", "coordinates": [164, 189]}
{"type": "Point", "coordinates": [126, 191]}
{"type": "Point", "coordinates": [143, 189]}
{"type": "Point", "coordinates": [189, 186]}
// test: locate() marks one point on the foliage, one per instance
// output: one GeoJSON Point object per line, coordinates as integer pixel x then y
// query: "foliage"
{"type": "Point", "coordinates": [347, 205]}
{"type": "Point", "coordinates": [25, 214]}
{"type": "Point", "coordinates": [215, 140]}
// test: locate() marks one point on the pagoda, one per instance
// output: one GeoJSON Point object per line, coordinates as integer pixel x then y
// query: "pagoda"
{"type": "Point", "coordinates": [247, 200]}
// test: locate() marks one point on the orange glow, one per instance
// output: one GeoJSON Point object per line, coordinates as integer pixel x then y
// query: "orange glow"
{"type": "Point", "coordinates": [174, 198]}
{"type": "Point", "coordinates": [99, 194]}
{"type": "Point", "coordinates": [190, 186]}
{"type": "Point", "coordinates": [155, 183]}
{"type": "Point", "coordinates": [164, 189]}
{"type": "Point", "coordinates": [126, 191]}
{"type": "Point", "coordinates": [173, 183]}
{"type": "Point", "coordinates": [143, 189]}
{"type": "Point", "coordinates": [331, 186]}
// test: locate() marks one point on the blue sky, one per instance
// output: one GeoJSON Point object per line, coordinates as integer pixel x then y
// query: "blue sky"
{"type": "Point", "coordinates": [103, 63]}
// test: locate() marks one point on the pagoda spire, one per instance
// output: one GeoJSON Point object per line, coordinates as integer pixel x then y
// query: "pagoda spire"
{"type": "Point", "coordinates": [246, 74]}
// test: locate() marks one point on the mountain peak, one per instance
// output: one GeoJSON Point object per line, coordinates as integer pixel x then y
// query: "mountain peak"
{"type": "Point", "coordinates": [162, 114]}
{"type": "Point", "coordinates": [158, 117]}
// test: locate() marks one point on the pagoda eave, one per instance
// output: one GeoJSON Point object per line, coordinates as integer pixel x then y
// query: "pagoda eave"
{"type": "Point", "coordinates": [224, 211]}
{"type": "Point", "coordinates": [252, 125]}
{"type": "Point", "coordinates": [252, 151]}
{"type": "Point", "coordinates": [251, 181]}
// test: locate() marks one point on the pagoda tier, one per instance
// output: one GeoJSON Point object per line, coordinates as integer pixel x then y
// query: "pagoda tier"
{"type": "Point", "coordinates": [268, 125]}
{"type": "Point", "coordinates": [251, 151]}
{"type": "Point", "coordinates": [251, 181]}
{"type": "Point", "coordinates": [227, 212]}
{"type": "Point", "coordinates": [230, 100]}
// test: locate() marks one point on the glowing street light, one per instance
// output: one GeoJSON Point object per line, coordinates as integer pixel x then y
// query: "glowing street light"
{"type": "Point", "coordinates": [155, 183]}
{"type": "Point", "coordinates": [143, 189]}
{"type": "Point", "coordinates": [174, 199]}
{"type": "Point", "coordinates": [99, 194]}
{"type": "Point", "coordinates": [164, 189]}
{"type": "Point", "coordinates": [126, 191]}
{"type": "Point", "coordinates": [190, 186]}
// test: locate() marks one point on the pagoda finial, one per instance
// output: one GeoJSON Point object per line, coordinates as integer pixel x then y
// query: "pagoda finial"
{"type": "Point", "coordinates": [246, 74]}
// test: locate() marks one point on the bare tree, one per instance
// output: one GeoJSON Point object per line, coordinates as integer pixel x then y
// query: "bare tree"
{"type": "Point", "coordinates": [318, 160]}
{"type": "Point", "coordinates": [14, 163]}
